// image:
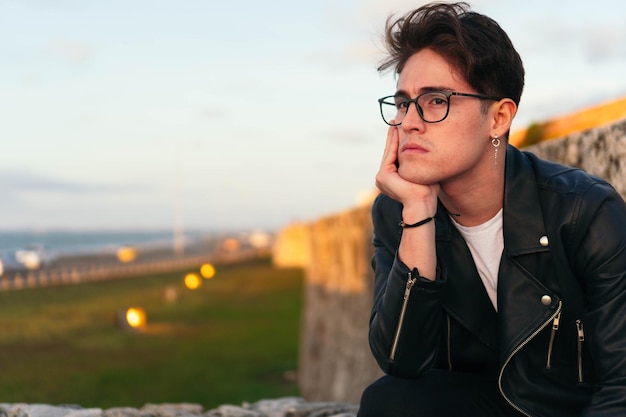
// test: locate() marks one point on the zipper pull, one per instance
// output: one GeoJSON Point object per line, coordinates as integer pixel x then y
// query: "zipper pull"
{"type": "Point", "coordinates": [581, 339]}
{"type": "Point", "coordinates": [555, 327]}
{"type": "Point", "coordinates": [581, 332]}
{"type": "Point", "coordinates": [409, 284]}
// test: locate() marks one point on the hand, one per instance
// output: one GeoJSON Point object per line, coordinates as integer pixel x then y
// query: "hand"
{"type": "Point", "coordinates": [417, 247]}
{"type": "Point", "coordinates": [391, 183]}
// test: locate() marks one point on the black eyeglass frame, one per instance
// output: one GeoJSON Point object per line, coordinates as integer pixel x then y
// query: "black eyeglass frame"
{"type": "Point", "coordinates": [420, 111]}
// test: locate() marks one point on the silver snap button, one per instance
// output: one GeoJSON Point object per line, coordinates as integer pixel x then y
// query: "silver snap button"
{"type": "Point", "coordinates": [546, 300]}
{"type": "Point", "coordinates": [543, 241]}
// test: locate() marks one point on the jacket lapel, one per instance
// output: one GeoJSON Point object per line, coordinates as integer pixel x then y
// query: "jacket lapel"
{"type": "Point", "coordinates": [464, 298]}
{"type": "Point", "coordinates": [525, 301]}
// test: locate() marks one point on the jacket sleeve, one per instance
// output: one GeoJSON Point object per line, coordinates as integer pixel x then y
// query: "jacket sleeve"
{"type": "Point", "coordinates": [599, 251]}
{"type": "Point", "coordinates": [403, 340]}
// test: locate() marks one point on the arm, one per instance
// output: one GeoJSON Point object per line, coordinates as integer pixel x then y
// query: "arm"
{"type": "Point", "coordinates": [419, 335]}
{"type": "Point", "coordinates": [600, 255]}
{"type": "Point", "coordinates": [404, 333]}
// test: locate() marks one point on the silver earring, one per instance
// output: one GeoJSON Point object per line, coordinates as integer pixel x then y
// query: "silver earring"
{"type": "Point", "coordinates": [495, 141]}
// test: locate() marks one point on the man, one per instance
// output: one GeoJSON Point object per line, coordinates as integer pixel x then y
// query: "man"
{"type": "Point", "coordinates": [500, 279]}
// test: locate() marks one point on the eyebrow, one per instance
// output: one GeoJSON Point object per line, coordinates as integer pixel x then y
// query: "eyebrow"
{"type": "Point", "coordinates": [430, 89]}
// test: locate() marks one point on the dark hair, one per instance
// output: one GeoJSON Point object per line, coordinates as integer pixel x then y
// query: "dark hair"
{"type": "Point", "coordinates": [473, 43]}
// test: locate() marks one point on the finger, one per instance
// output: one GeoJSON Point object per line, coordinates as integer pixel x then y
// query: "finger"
{"type": "Point", "coordinates": [391, 147]}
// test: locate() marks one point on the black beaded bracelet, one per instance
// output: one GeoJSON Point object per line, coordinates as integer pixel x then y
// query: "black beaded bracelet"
{"type": "Point", "coordinates": [418, 224]}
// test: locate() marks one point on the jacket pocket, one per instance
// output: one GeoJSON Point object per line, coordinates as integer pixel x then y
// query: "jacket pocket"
{"type": "Point", "coordinates": [580, 346]}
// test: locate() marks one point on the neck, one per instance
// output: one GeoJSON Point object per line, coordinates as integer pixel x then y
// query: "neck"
{"type": "Point", "coordinates": [474, 201]}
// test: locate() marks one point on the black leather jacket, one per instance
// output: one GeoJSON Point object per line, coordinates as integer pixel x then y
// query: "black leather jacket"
{"type": "Point", "coordinates": [557, 346]}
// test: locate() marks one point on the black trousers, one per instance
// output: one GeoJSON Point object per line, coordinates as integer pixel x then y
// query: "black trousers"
{"type": "Point", "coordinates": [437, 393]}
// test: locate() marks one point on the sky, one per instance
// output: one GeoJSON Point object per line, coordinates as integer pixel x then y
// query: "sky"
{"type": "Point", "coordinates": [224, 115]}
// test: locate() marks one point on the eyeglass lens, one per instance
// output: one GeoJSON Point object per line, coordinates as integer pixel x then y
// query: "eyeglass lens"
{"type": "Point", "coordinates": [432, 107]}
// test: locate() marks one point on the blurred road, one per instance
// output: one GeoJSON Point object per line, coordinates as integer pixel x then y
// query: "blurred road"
{"type": "Point", "coordinates": [83, 268]}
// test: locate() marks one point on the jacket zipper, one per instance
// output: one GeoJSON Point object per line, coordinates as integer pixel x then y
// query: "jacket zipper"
{"type": "Point", "coordinates": [555, 327]}
{"type": "Point", "coordinates": [581, 339]}
{"type": "Point", "coordinates": [407, 291]}
{"type": "Point", "coordinates": [449, 345]}
{"type": "Point", "coordinates": [517, 349]}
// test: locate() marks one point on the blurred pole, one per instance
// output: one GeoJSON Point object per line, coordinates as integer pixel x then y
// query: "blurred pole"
{"type": "Point", "coordinates": [179, 233]}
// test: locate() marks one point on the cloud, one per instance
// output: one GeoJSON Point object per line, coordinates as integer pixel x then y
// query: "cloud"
{"type": "Point", "coordinates": [605, 44]}
{"type": "Point", "coordinates": [349, 137]}
{"type": "Point", "coordinates": [596, 42]}
{"type": "Point", "coordinates": [76, 53]}
{"type": "Point", "coordinates": [14, 182]}
{"type": "Point", "coordinates": [213, 113]}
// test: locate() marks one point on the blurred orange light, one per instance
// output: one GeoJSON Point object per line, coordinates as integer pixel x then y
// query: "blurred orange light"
{"type": "Point", "coordinates": [207, 271]}
{"type": "Point", "coordinates": [192, 281]}
{"type": "Point", "coordinates": [126, 254]}
{"type": "Point", "coordinates": [135, 317]}
{"type": "Point", "coordinates": [171, 294]}
{"type": "Point", "coordinates": [231, 244]}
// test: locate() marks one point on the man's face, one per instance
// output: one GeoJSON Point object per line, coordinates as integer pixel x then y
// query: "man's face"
{"type": "Point", "coordinates": [457, 148]}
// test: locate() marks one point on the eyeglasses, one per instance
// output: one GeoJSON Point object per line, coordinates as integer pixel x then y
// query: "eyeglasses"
{"type": "Point", "coordinates": [432, 106]}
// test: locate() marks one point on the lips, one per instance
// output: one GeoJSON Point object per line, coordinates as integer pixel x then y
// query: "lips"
{"type": "Point", "coordinates": [413, 148]}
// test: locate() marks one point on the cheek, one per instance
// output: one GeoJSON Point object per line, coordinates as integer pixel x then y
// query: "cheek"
{"type": "Point", "coordinates": [469, 139]}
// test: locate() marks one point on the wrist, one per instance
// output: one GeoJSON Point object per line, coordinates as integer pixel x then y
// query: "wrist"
{"type": "Point", "coordinates": [417, 212]}
{"type": "Point", "coordinates": [422, 222]}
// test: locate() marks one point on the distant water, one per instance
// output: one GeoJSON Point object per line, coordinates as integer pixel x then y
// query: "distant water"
{"type": "Point", "coordinates": [77, 242]}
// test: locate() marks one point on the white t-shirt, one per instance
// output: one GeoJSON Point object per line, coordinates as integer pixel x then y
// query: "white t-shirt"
{"type": "Point", "coordinates": [486, 243]}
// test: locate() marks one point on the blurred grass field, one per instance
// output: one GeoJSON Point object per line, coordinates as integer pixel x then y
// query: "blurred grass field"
{"type": "Point", "coordinates": [234, 339]}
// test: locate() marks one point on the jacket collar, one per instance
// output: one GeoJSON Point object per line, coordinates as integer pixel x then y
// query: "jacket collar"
{"type": "Point", "coordinates": [521, 228]}
{"type": "Point", "coordinates": [523, 225]}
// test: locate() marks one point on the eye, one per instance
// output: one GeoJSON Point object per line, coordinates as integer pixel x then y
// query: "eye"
{"type": "Point", "coordinates": [435, 99]}
{"type": "Point", "coordinates": [401, 103]}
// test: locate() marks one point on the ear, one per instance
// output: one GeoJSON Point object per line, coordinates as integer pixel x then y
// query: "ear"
{"type": "Point", "coordinates": [503, 113]}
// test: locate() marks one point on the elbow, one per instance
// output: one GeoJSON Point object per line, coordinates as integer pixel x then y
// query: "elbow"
{"type": "Point", "coordinates": [402, 365]}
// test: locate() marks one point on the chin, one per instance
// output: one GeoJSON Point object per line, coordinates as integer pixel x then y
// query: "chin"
{"type": "Point", "coordinates": [416, 176]}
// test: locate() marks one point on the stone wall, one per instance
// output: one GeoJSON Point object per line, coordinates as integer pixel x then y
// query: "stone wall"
{"type": "Point", "coordinates": [281, 407]}
{"type": "Point", "coordinates": [600, 151]}
{"type": "Point", "coordinates": [335, 361]}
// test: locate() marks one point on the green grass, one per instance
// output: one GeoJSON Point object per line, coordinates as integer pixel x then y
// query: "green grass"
{"type": "Point", "coordinates": [230, 341]}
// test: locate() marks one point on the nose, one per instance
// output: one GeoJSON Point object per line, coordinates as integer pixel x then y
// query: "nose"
{"type": "Point", "coordinates": [412, 119]}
